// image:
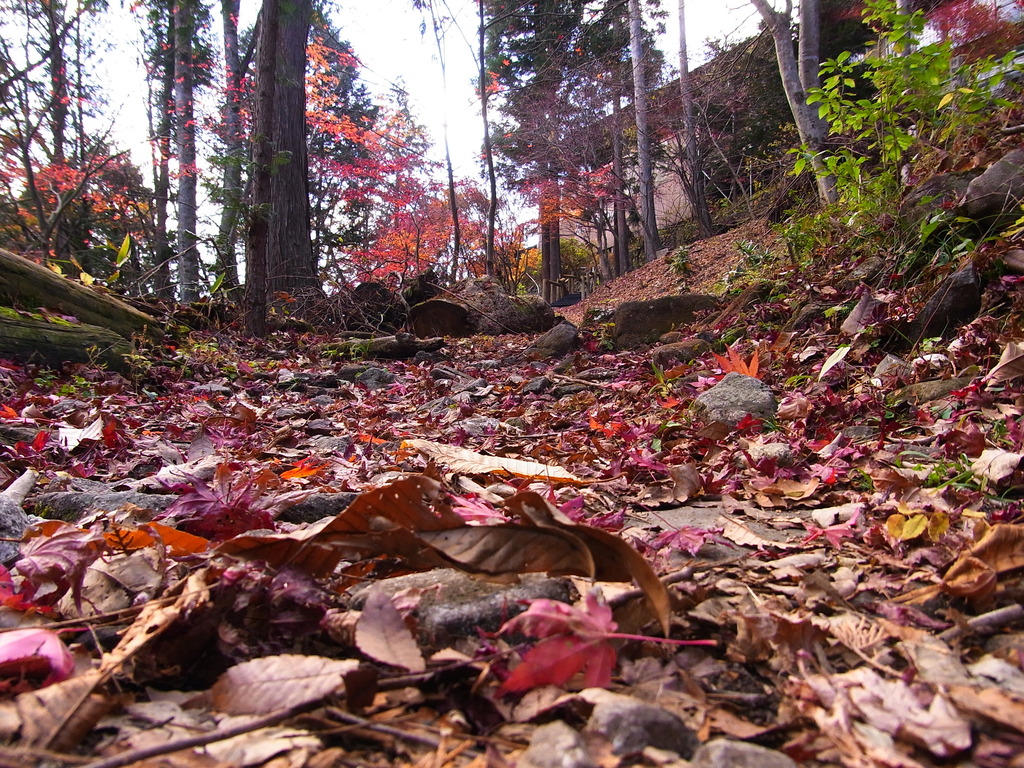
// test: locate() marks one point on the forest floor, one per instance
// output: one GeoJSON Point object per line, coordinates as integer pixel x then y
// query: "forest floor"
{"type": "Point", "coordinates": [840, 585]}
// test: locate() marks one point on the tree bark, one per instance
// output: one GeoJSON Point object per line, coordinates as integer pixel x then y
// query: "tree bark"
{"type": "Point", "coordinates": [693, 171]}
{"type": "Point", "coordinates": [492, 179]}
{"type": "Point", "coordinates": [648, 217]}
{"type": "Point", "coordinates": [812, 129]}
{"type": "Point", "coordinates": [163, 253]}
{"type": "Point", "coordinates": [53, 344]}
{"type": "Point", "coordinates": [234, 148]}
{"type": "Point", "coordinates": [291, 267]}
{"type": "Point", "coordinates": [185, 133]}
{"type": "Point", "coordinates": [255, 299]}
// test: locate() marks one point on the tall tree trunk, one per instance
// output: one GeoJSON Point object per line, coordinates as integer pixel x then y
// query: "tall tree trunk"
{"type": "Point", "coordinates": [621, 227]}
{"type": "Point", "coordinates": [255, 298]}
{"type": "Point", "coordinates": [163, 253]}
{"type": "Point", "coordinates": [648, 217]}
{"type": "Point", "coordinates": [185, 135]}
{"type": "Point", "coordinates": [291, 266]}
{"type": "Point", "coordinates": [453, 203]}
{"type": "Point", "coordinates": [59, 101]}
{"type": "Point", "coordinates": [693, 172]}
{"type": "Point", "coordinates": [492, 179]}
{"type": "Point", "coordinates": [234, 147]}
{"type": "Point", "coordinates": [812, 129]}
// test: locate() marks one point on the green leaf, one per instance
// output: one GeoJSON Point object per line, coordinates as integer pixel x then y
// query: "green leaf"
{"type": "Point", "coordinates": [124, 251]}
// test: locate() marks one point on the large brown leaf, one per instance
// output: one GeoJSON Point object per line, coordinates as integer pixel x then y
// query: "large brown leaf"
{"type": "Point", "coordinates": [614, 559]}
{"type": "Point", "coordinates": [273, 683]}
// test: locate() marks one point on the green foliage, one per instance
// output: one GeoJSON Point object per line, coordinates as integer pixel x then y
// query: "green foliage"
{"type": "Point", "coordinates": [904, 98]}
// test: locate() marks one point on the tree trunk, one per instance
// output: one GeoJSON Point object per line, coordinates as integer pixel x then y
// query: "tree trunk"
{"type": "Point", "coordinates": [255, 299]}
{"type": "Point", "coordinates": [492, 179]}
{"type": "Point", "coordinates": [648, 217]}
{"type": "Point", "coordinates": [812, 129]}
{"type": "Point", "coordinates": [291, 267]}
{"type": "Point", "coordinates": [234, 147]}
{"type": "Point", "coordinates": [185, 133]}
{"type": "Point", "coordinates": [693, 171]}
{"type": "Point", "coordinates": [621, 230]}
{"type": "Point", "coordinates": [163, 253]}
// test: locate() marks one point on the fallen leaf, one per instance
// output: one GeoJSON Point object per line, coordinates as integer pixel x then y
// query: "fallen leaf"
{"type": "Point", "coordinates": [1010, 365]}
{"type": "Point", "coordinates": [272, 683]}
{"type": "Point", "coordinates": [461, 460]}
{"type": "Point", "coordinates": [996, 465]}
{"type": "Point", "coordinates": [382, 634]}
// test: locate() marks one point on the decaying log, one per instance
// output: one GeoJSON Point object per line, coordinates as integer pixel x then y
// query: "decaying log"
{"type": "Point", "coordinates": [397, 347]}
{"type": "Point", "coordinates": [53, 344]}
{"type": "Point", "coordinates": [27, 285]}
{"type": "Point", "coordinates": [480, 306]}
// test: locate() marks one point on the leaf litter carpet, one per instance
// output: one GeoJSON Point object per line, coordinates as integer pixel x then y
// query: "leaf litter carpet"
{"type": "Point", "coordinates": [842, 585]}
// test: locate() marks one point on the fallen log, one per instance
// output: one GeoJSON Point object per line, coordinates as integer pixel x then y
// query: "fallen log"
{"type": "Point", "coordinates": [27, 285]}
{"type": "Point", "coordinates": [55, 343]}
{"type": "Point", "coordinates": [398, 347]}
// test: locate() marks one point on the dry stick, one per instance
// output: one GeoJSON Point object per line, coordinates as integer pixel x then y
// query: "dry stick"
{"type": "Point", "coordinates": [987, 623]}
{"type": "Point", "coordinates": [133, 756]}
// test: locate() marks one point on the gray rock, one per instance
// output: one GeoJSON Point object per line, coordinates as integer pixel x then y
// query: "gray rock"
{"type": "Point", "coordinates": [685, 351]}
{"type": "Point", "coordinates": [926, 391]}
{"type": "Point", "coordinates": [558, 341]}
{"type": "Point", "coordinates": [994, 197]}
{"type": "Point", "coordinates": [736, 396]}
{"type": "Point", "coordinates": [631, 725]}
{"type": "Point", "coordinates": [321, 427]}
{"type": "Point", "coordinates": [936, 194]}
{"type": "Point", "coordinates": [213, 388]}
{"type": "Point", "coordinates": [955, 302]}
{"type": "Point", "coordinates": [13, 520]}
{"type": "Point", "coordinates": [725, 753]}
{"type": "Point", "coordinates": [375, 378]}
{"type": "Point", "coordinates": [807, 315]}
{"type": "Point", "coordinates": [478, 426]}
{"type": "Point", "coordinates": [556, 745]}
{"type": "Point", "coordinates": [536, 385]}
{"type": "Point", "coordinates": [71, 506]}
{"type": "Point", "coordinates": [453, 605]}
{"type": "Point", "coordinates": [317, 507]}
{"type": "Point", "coordinates": [1013, 260]}
{"type": "Point", "coordinates": [644, 322]}
{"type": "Point", "coordinates": [782, 453]}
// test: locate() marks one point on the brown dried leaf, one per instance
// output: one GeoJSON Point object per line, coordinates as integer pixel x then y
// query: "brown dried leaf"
{"type": "Point", "coordinates": [614, 559]}
{"type": "Point", "coordinates": [974, 573]}
{"type": "Point", "coordinates": [996, 465]}
{"type": "Point", "coordinates": [1010, 365]}
{"type": "Point", "coordinates": [59, 716]}
{"type": "Point", "coordinates": [273, 683]}
{"type": "Point", "coordinates": [473, 463]}
{"type": "Point", "coordinates": [512, 549]}
{"type": "Point", "coordinates": [382, 634]}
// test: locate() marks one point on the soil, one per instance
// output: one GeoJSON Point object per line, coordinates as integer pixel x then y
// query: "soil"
{"type": "Point", "coordinates": [709, 261]}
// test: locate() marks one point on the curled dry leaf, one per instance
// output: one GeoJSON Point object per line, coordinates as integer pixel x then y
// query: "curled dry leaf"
{"type": "Point", "coordinates": [614, 559]}
{"type": "Point", "coordinates": [996, 465]}
{"type": "Point", "coordinates": [39, 654]}
{"type": "Point", "coordinates": [975, 572]}
{"type": "Point", "coordinates": [273, 683]}
{"type": "Point", "coordinates": [1010, 365]}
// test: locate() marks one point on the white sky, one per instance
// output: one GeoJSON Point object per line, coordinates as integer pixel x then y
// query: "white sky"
{"type": "Point", "coordinates": [391, 48]}
{"type": "Point", "coordinates": [389, 44]}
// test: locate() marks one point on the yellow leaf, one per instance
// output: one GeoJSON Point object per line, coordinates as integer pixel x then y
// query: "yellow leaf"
{"type": "Point", "coordinates": [87, 279]}
{"type": "Point", "coordinates": [938, 524]}
{"type": "Point", "coordinates": [945, 100]}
